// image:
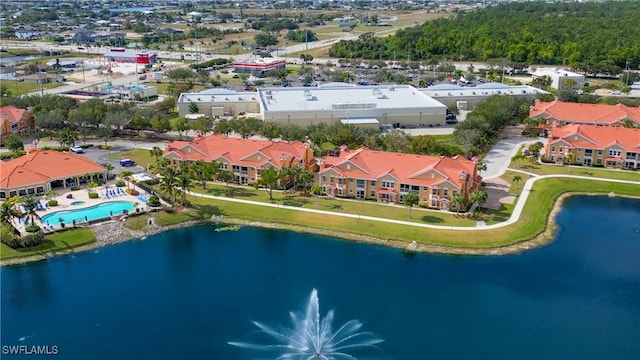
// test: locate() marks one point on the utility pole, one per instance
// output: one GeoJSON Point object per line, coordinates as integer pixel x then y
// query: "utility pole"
{"type": "Point", "coordinates": [306, 42]}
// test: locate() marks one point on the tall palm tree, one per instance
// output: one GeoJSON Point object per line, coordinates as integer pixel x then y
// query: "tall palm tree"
{"type": "Point", "coordinates": [457, 200]}
{"type": "Point", "coordinates": [169, 182]}
{"type": "Point", "coordinates": [184, 183]}
{"type": "Point", "coordinates": [479, 196]}
{"type": "Point", "coordinates": [157, 153]}
{"type": "Point", "coordinates": [67, 137]}
{"type": "Point", "coordinates": [109, 168]}
{"type": "Point", "coordinates": [30, 203]}
{"type": "Point", "coordinates": [126, 176]}
{"type": "Point", "coordinates": [7, 210]}
{"type": "Point", "coordinates": [481, 166]}
{"type": "Point", "coordinates": [225, 176]}
{"type": "Point", "coordinates": [317, 191]}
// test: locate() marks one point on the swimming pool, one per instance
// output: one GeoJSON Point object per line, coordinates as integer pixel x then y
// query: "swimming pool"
{"type": "Point", "coordinates": [99, 211]}
{"type": "Point", "coordinates": [76, 203]}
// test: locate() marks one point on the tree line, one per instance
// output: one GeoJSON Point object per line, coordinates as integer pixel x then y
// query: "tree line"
{"type": "Point", "coordinates": [593, 37]}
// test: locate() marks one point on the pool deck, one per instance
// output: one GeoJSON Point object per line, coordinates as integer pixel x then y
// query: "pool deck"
{"type": "Point", "coordinates": [64, 203]}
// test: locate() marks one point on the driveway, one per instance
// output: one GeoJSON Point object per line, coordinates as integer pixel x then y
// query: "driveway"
{"type": "Point", "coordinates": [499, 158]}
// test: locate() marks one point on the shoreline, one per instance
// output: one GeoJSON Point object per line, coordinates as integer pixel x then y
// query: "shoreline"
{"type": "Point", "coordinates": [114, 232]}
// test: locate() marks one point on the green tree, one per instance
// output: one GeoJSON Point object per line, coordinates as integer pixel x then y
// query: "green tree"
{"type": "Point", "coordinates": [269, 130]}
{"type": "Point", "coordinates": [194, 108]}
{"type": "Point", "coordinates": [458, 201]}
{"type": "Point", "coordinates": [225, 176]}
{"type": "Point", "coordinates": [411, 199]}
{"type": "Point", "coordinates": [67, 137]}
{"type": "Point", "coordinates": [168, 182]}
{"type": "Point", "coordinates": [269, 178]}
{"type": "Point", "coordinates": [305, 178]}
{"type": "Point", "coordinates": [183, 183]}
{"type": "Point", "coordinates": [223, 126]}
{"type": "Point", "coordinates": [14, 144]}
{"type": "Point", "coordinates": [7, 209]}
{"type": "Point", "coordinates": [29, 203]}
{"type": "Point", "coordinates": [479, 196]}
{"type": "Point", "coordinates": [203, 171]}
{"type": "Point", "coordinates": [265, 39]}
{"type": "Point", "coordinates": [126, 176]}
{"type": "Point", "coordinates": [203, 125]}
{"type": "Point", "coordinates": [516, 179]}
{"type": "Point", "coordinates": [317, 191]}
{"type": "Point", "coordinates": [180, 125]}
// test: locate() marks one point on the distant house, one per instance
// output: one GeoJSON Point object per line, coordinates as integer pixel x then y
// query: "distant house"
{"type": "Point", "coordinates": [588, 145]}
{"type": "Point", "coordinates": [560, 113]}
{"type": "Point", "coordinates": [7, 73]}
{"type": "Point", "coordinates": [561, 79]}
{"type": "Point", "coordinates": [43, 78]}
{"type": "Point", "coordinates": [27, 33]}
{"type": "Point", "coordinates": [14, 121]}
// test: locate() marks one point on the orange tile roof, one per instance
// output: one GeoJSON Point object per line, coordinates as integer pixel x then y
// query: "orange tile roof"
{"type": "Point", "coordinates": [11, 113]}
{"type": "Point", "coordinates": [598, 137]}
{"type": "Point", "coordinates": [236, 150]}
{"type": "Point", "coordinates": [40, 166]}
{"type": "Point", "coordinates": [584, 113]}
{"type": "Point", "coordinates": [405, 167]}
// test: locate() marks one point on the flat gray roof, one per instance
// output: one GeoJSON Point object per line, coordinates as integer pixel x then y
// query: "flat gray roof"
{"type": "Point", "coordinates": [344, 97]}
{"type": "Point", "coordinates": [218, 97]}
{"type": "Point", "coordinates": [447, 90]}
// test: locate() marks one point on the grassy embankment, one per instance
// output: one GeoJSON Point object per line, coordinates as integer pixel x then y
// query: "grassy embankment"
{"type": "Point", "coordinates": [54, 244]}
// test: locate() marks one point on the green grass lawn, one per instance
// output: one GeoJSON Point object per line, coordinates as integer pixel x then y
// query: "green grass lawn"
{"type": "Point", "coordinates": [23, 88]}
{"type": "Point", "coordinates": [532, 222]}
{"type": "Point", "coordinates": [547, 169]}
{"type": "Point", "coordinates": [53, 244]}
{"type": "Point", "coordinates": [142, 157]}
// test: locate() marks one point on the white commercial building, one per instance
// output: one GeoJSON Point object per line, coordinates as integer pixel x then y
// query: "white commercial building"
{"type": "Point", "coordinates": [466, 98]}
{"type": "Point", "coordinates": [561, 79]}
{"type": "Point", "coordinates": [369, 106]}
{"type": "Point", "coordinates": [218, 102]}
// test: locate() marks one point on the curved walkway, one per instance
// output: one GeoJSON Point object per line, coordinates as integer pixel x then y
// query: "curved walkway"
{"type": "Point", "coordinates": [515, 215]}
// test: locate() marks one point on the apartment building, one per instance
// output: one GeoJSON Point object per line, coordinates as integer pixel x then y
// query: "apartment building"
{"type": "Point", "coordinates": [388, 177]}
{"type": "Point", "coordinates": [589, 145]}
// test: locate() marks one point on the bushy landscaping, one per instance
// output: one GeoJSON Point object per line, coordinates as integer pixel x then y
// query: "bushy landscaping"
{"type": "Point", "coordinates": [50, 244]}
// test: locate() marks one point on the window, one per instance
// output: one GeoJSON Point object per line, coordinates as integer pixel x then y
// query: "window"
{"type": "Point", "coordinates": [599, 161]}
{"type": "Point", "coordinates": [3, 195]}
{"type": "Point", "coordinates": [12, 194]}
{"type": "Point", "coordinates": [223, 166]}
{"type": "Point", "coordinates": [434, 191]}
{"type": "Point", "coordinates": [426, 188]}
{"type": "Point", "coordinates": [372, 193]}
{"type": "Point", "coordinates": [350, 191]}
{"type": "Point", "coordinates": [415, 188]}
{"type": "Point", "coordinates": [388, 184]}
{"type": "Point", "coordinates": [22, 192]}
{"type": "Point", "coordinates": [599, 152]}
{"type": "Point", "coordinates": [331, 179]}
{"type": "Point", "coordinates": [560, 148]}
{"type": "Point", "coordinates": [615, 152]}
{"type": "Point", "coordinates": [373, 183]}
{"type": "Point", "coordinates": [350, 180]}
{"type": "Point", "coordinates": [14, 127]}
{"type": "Point", "coordinates": [433, 203]}
{"type": "Point", "coordinates": [445, 191]}
{"type": "Point", "coordinates": [553, 149]}
{"type": "Point", "coordinates": [31, 191]}
{"type": "Point", "coordinates": [360, 183]}
{"type": "Point", "coordinates": [341, 181]}
{"type": "Point", "coordinates": [404, 188]}
{"type": "Point", "coordinates": [588, 152]}
{"type": "Point", "coordinates": [324, 178]}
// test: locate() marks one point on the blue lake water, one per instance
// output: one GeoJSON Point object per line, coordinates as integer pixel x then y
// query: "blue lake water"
{"type": "Point", "coordinates": [184, 294]}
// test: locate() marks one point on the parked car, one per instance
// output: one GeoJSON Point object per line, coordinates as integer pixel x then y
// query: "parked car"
{"type": "Point", "coordinates": [127, 162]}
{"type": "Point", "coordinates": [76, 149]}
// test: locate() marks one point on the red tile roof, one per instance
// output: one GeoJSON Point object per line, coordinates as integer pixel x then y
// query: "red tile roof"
{"type": "Point", "coordinates": [372, 165]}
{"type": "Point", "coordinates": [10, 113]}
{"type": "Point", "coordinates": [597, 137]}
{"type": "Point", "coordinates": [584, 113]}
{"type": "Point", "coordinates": [236, 150]}
{"type": "Point", "coordinates": [40, 166]}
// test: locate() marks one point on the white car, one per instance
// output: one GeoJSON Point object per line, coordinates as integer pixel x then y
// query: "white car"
{"type": "Point", "coordinates": [76, 149]}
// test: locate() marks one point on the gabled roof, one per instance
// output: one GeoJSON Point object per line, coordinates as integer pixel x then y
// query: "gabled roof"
{"type": "Point", "coordinates": [405, 167]}
{"type": "Point", "coordinates": [237, 150]}
{"type": "Point", "coordinates": [584, 113]}
{"type": "Point", "coordinates": [39, 166]}
{"type": "Point", "coordinates": [601, 137]}
{"type": "Point", "coordinates": [11, 113]}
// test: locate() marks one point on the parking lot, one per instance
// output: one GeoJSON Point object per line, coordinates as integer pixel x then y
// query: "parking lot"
{"type": "Point", "coordinates": [102, 157]}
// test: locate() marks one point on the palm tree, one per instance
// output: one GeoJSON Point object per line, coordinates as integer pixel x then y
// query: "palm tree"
{"type": "Point", "coordinates": [183, 183]}
{"type": "Point", "coordinates": [411, 199]}
{"type": "Point", "coordinates": [169, 182]}
{"type": "Point", "coordinates": [458, 201]}
{"type": "Point", "coordinates": [157, 153]}
{"type": "Point", "coordinates": [516, 179]}
{"type": "Point", "coordinates": [91, 186]}
{"type": "Point", "coordinates": [50, 194]}
{"type": "Point", "coordinates": [481, 166]}
{"type": "Point", "coordinates": [126, 175]}
{"type": "Point", "coordinates": [30, 203]}
{"type": "Point", "coordinates": [67, 137]}
{"type": "Point", "coordinates": [479, 196]}
{"type": "Point", "coordinates": [292, 173]}
{"type": "Point", "coordinates": [628, 123]}
{"type": "Point", "coordinates": [7, 210]}
{"type": "Point", "coordinates": [317, 191]}
{"type": "Point", "coordinates": [109, 168]}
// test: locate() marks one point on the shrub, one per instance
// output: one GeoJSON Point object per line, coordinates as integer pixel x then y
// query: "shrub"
{"type": "Point", "coordinates": [120, 183]}
{"type": "Point", "coordinates": [56, 148]}
{"type": "Point", "coordinates": [74, 188]}
{"type": "Point", "coordinates": [93, 195]}
{"type": "Point", "coordinates": [224, 71]}
{"type": "Point", "coordinates": [169, 210]}
{"type": "Point", "coordinates": [86, 146]}
{"type": "Point", "coordinates": [52, 202]}
{"type": "Point", "coordinates": [32, 239]}
{"type": "Point", "coordinates": [32, 228]}
{"type": "Point", "coordinates": [153, 201]}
